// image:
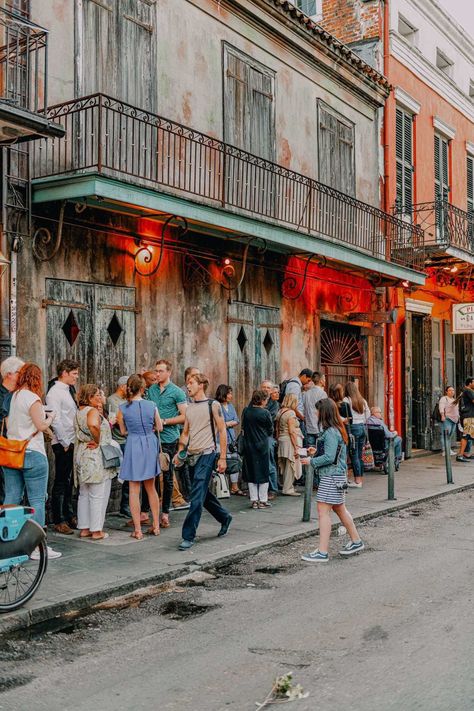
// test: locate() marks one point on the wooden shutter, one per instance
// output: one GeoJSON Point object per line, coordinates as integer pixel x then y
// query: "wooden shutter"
{"type": "Point", "coordinates": [98, 48]}
{"type": "Point", "coordinates": [441, 167]}
{"type": "Point", "coordinates": [261, 115]}
{"type": "Point", "coordinates": [449, 356]}
{"type": "Point", "coordinates": [404, 160]}
{"type": "Point", "coordinates": [470, 185]}
{"type": "Point", "coordinates": [336, 151]}
{"type": "Point", "coordinates": [138, 68]}
{"type": "Point", "coordinates": [249, 114]}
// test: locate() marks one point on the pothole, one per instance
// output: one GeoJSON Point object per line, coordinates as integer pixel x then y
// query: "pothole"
{"type": "Point", "coordinates": [183, 610]}
{"type": "Point", "coordinates": [278, 569]}
{"type": "Point", "coordinates": [13, 682]}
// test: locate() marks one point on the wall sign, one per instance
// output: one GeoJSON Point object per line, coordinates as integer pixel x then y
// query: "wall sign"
{"type": "Point", "coordinates": [463, 318]}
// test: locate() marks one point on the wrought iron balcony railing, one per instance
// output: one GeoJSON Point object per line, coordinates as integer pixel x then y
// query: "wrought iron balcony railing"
{"type": "Point", "coordinates": [447, 228]}
{"type": "Point", "coordinates": [23, 63]}
{"type": "Point", "coordinates": [112, 138]}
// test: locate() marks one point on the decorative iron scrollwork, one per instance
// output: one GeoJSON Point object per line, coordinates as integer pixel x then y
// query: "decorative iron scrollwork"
{"type": "Point", "coordinates": [290, 284]}
{"type": "Point", "coordinates": [45, 247]}
{"type": "Point", "coordinates": [348, 300]}
{"type": "Point", "coordinates": [145, 254]}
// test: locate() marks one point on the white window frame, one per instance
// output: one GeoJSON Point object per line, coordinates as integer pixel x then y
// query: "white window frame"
{"type": "Point", "coordinates": [319, 9]}
{"type": "Point", "coordinates": [407, 30]}
{"type": "Point", "coordinates": [444, 63]}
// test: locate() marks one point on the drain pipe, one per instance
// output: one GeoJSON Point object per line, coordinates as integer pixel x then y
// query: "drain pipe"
{"type": "Point", "coordinates": [16, 246]}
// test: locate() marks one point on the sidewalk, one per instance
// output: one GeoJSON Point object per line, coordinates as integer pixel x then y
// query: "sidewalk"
{"type": "Point", "coordinates": [91, 572]}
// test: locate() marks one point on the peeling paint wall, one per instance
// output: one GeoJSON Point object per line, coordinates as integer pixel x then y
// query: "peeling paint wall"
{"type": "Point", "coordinates": [189, 78]}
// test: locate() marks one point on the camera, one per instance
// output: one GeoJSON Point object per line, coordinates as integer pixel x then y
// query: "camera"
{"type": "Point", "coordinates": [341, 485]}
{"type": "Point", "coordinates": [232, 448]}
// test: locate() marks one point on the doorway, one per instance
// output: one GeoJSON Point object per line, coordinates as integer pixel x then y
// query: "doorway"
{"type": "Point", "coordinates": [343, 354]}
{"type": "Point", "coordinates": [93, 324]}
{"type": "Point", "coordinates": [420, 381]}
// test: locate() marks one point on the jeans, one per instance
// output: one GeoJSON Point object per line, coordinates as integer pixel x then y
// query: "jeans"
{"type": "Point", "coordinates": [450, 427]}
{"type": "Point", "coordinates": [200, 475]}
{"type": "Point", "coordinates": [33, 477]}
{"type": "Point", "coordinates": [397, 447]}
{"type": "Point", "coordinates": [273, 467]}
{"type": "Point", "coordinates": [311, 439]}
{"type": "Point", "coordinates": [61, 495]}
{"type": "Point", "coordinates": [169, 448]}
{"type": "Point", "coordinates": [358, 431]}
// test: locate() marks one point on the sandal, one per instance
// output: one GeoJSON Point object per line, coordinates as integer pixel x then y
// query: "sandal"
{"type": "Point", "coordinates": [85, 535]}
{"type": "Point", "coordinates": [238, 492]}
{"type": "Point", "coordinates": [100, 538]}
{"type": "Point", "coordinates": [264, 505]}
{"type": "Point", "coordinates": [254, 505]}
{"type": "Point", "coordinates": [137, 534]}
{"type": "Point", "coordinates": [154, 531]}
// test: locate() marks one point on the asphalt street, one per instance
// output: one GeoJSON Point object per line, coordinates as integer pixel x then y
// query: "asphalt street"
{"type": "Point", "coordinates": [391, 628]}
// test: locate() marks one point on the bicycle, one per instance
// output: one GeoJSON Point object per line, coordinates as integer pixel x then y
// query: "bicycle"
{"type": "Point", "coordinates": [21, 572]}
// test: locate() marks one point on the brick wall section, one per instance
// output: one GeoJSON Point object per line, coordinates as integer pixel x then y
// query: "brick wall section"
{"type": "Point", "coordinates": [352, 20]}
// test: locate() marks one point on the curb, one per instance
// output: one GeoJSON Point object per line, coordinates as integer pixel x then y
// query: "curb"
{"type": "Point", "coordinates": [81, 605]}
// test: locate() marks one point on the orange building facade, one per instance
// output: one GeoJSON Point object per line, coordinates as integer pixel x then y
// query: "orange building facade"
{"type": "Point", "coordinates": [428, 148]}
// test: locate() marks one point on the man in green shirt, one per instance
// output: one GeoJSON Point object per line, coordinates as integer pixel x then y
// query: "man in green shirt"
{"type": "Point", "coordinates": [171, 403]}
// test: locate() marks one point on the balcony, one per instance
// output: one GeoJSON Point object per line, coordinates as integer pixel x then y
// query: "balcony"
{"type": "Point", "coordinates": [111, 139]}
{"type": "Point", "coordinates": [23, 80]}
{"type": "Point", "coordinates": [448, 230]}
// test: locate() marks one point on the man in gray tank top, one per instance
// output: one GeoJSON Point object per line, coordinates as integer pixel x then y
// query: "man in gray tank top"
{"type": "Point", "coordinates": [204, 420]}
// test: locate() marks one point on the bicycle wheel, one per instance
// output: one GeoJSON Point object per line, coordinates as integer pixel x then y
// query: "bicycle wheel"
{"type": "Point", "coordinates": [19, 583]}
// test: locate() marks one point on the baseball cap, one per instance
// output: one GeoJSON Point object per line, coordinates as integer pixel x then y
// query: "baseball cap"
{"type": "Point", "coordinates": [123, 380]}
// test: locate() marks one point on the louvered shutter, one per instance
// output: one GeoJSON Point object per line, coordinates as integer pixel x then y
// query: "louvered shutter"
{"type": "Point", "coordinates": [261, 129]}
{"type": "Point", "coordinates": [404, 160]}
{"type": "Point", "coordinates": [470, 185]}
{"type": "Point", "coordinates": [336, 152]}
{"type": "Point", "coordinates": [470, 196]}
{"type": "Point", "coordinates": [249, 106]}
{"type": "Point", "coordinates": [441, 167]}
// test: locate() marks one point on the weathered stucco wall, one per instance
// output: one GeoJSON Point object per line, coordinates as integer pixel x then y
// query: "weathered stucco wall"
{"type": "Point", "coordinates": [189, 323]}
{"type": "Point", "coordinates": [189, 80]}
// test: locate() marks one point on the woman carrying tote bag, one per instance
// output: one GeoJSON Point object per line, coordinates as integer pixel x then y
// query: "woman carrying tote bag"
{"type": "Point", "coordinates": [27, 422]}
{"type": "Point", "coordinates": [91, 473]}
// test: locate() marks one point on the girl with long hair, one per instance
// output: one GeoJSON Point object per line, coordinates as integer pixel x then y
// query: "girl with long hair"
{"type": "Point", "coordinates": [332, 470]}
{"type": "Point", "coordinates": [26, 420]}
{"type": "Point", "coordinates": [139, 420]}
{"type": "Point", "coordinates": [360, 413]}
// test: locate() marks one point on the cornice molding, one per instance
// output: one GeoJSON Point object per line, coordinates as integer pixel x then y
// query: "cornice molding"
{"type": "Point", "coordinates": [421, 307]}
{"type": "Point", "coordinates": [447, 25]}
{"type": "Point", "coordinates": [412, 58]}
{"type": "Point", "coordinates": [407, 101]}
{"type": "Point", "coordinates": [443, 127]}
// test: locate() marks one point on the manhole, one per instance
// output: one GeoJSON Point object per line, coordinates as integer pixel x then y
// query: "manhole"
{"type": "Point", "coordinates": [182, 610]}
{"type": "Point", "coordinates": [12, 682]}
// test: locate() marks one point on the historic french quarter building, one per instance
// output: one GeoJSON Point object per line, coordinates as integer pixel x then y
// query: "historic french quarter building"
{"type": "Point", "coordinates": [215, 199]}
{"type": "Point", "coordinates": [428, 180]}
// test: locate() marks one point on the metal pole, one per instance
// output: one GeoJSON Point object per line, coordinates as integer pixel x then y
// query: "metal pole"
{"type": "Point", "coordinates": [308, 492]}
{"type": "Point", "coordinates": [447, 457]}
{"type": "Point", "coordinates": [391, 469]}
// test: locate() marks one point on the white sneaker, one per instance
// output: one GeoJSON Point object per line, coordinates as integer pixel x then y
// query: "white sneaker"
{"type": "Point", "coordinates": [53, 554]}
{"type": "Point", "coordinates": [353, 485]}
{"type": "Point", "coordinates": [35, 555]}
{"type": "Point", "coordinates": [452, 452]}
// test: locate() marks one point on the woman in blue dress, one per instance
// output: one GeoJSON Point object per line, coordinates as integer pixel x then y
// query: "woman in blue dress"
{"type": "Point", "coordinates": [139, 420]}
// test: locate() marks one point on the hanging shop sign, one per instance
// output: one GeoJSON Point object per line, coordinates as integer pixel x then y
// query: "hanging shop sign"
{"type": "Point", "coordinates": [463, 318]}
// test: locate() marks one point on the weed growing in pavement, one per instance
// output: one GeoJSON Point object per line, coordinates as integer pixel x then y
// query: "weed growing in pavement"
{"type": "Point", "coordinates": [283, 691]}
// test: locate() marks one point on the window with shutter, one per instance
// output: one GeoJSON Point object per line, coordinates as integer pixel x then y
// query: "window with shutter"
{"type": "Point", "coordinates": [249, 111]}
{"type": "Point", "coordinates": [336, 151]}
{"type": "Point", "coordinates": [470, 195]}
{"type": "Point", "coordinates": [404, 160]}
{"type": "Point", "coordinates": [470, 185]}
{"type": "Point", "coordinates": [111, 33]}
{"type": "Point", "coordinates": [441, 152]}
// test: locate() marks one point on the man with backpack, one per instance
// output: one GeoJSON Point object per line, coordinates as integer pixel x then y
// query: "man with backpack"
{"type": "Point", "coordinates": [466, 416]}
{"type": "Point", "coordinates": [203, 421]}
{"type": "Point", "coordinates": [294, 386]}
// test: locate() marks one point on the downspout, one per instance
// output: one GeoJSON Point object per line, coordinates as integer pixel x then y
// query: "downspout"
{"type": "Point", "coordinates": [390, 329]}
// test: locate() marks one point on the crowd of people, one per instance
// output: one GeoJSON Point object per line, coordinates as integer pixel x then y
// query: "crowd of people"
{"type": "Point", "coordinates": [164, 443]}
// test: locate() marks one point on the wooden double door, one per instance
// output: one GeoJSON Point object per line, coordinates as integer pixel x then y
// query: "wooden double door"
{"type": "Point", "coordinates": [253, 347]}
{"type": "Point", "coordinates": [93, 324]}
